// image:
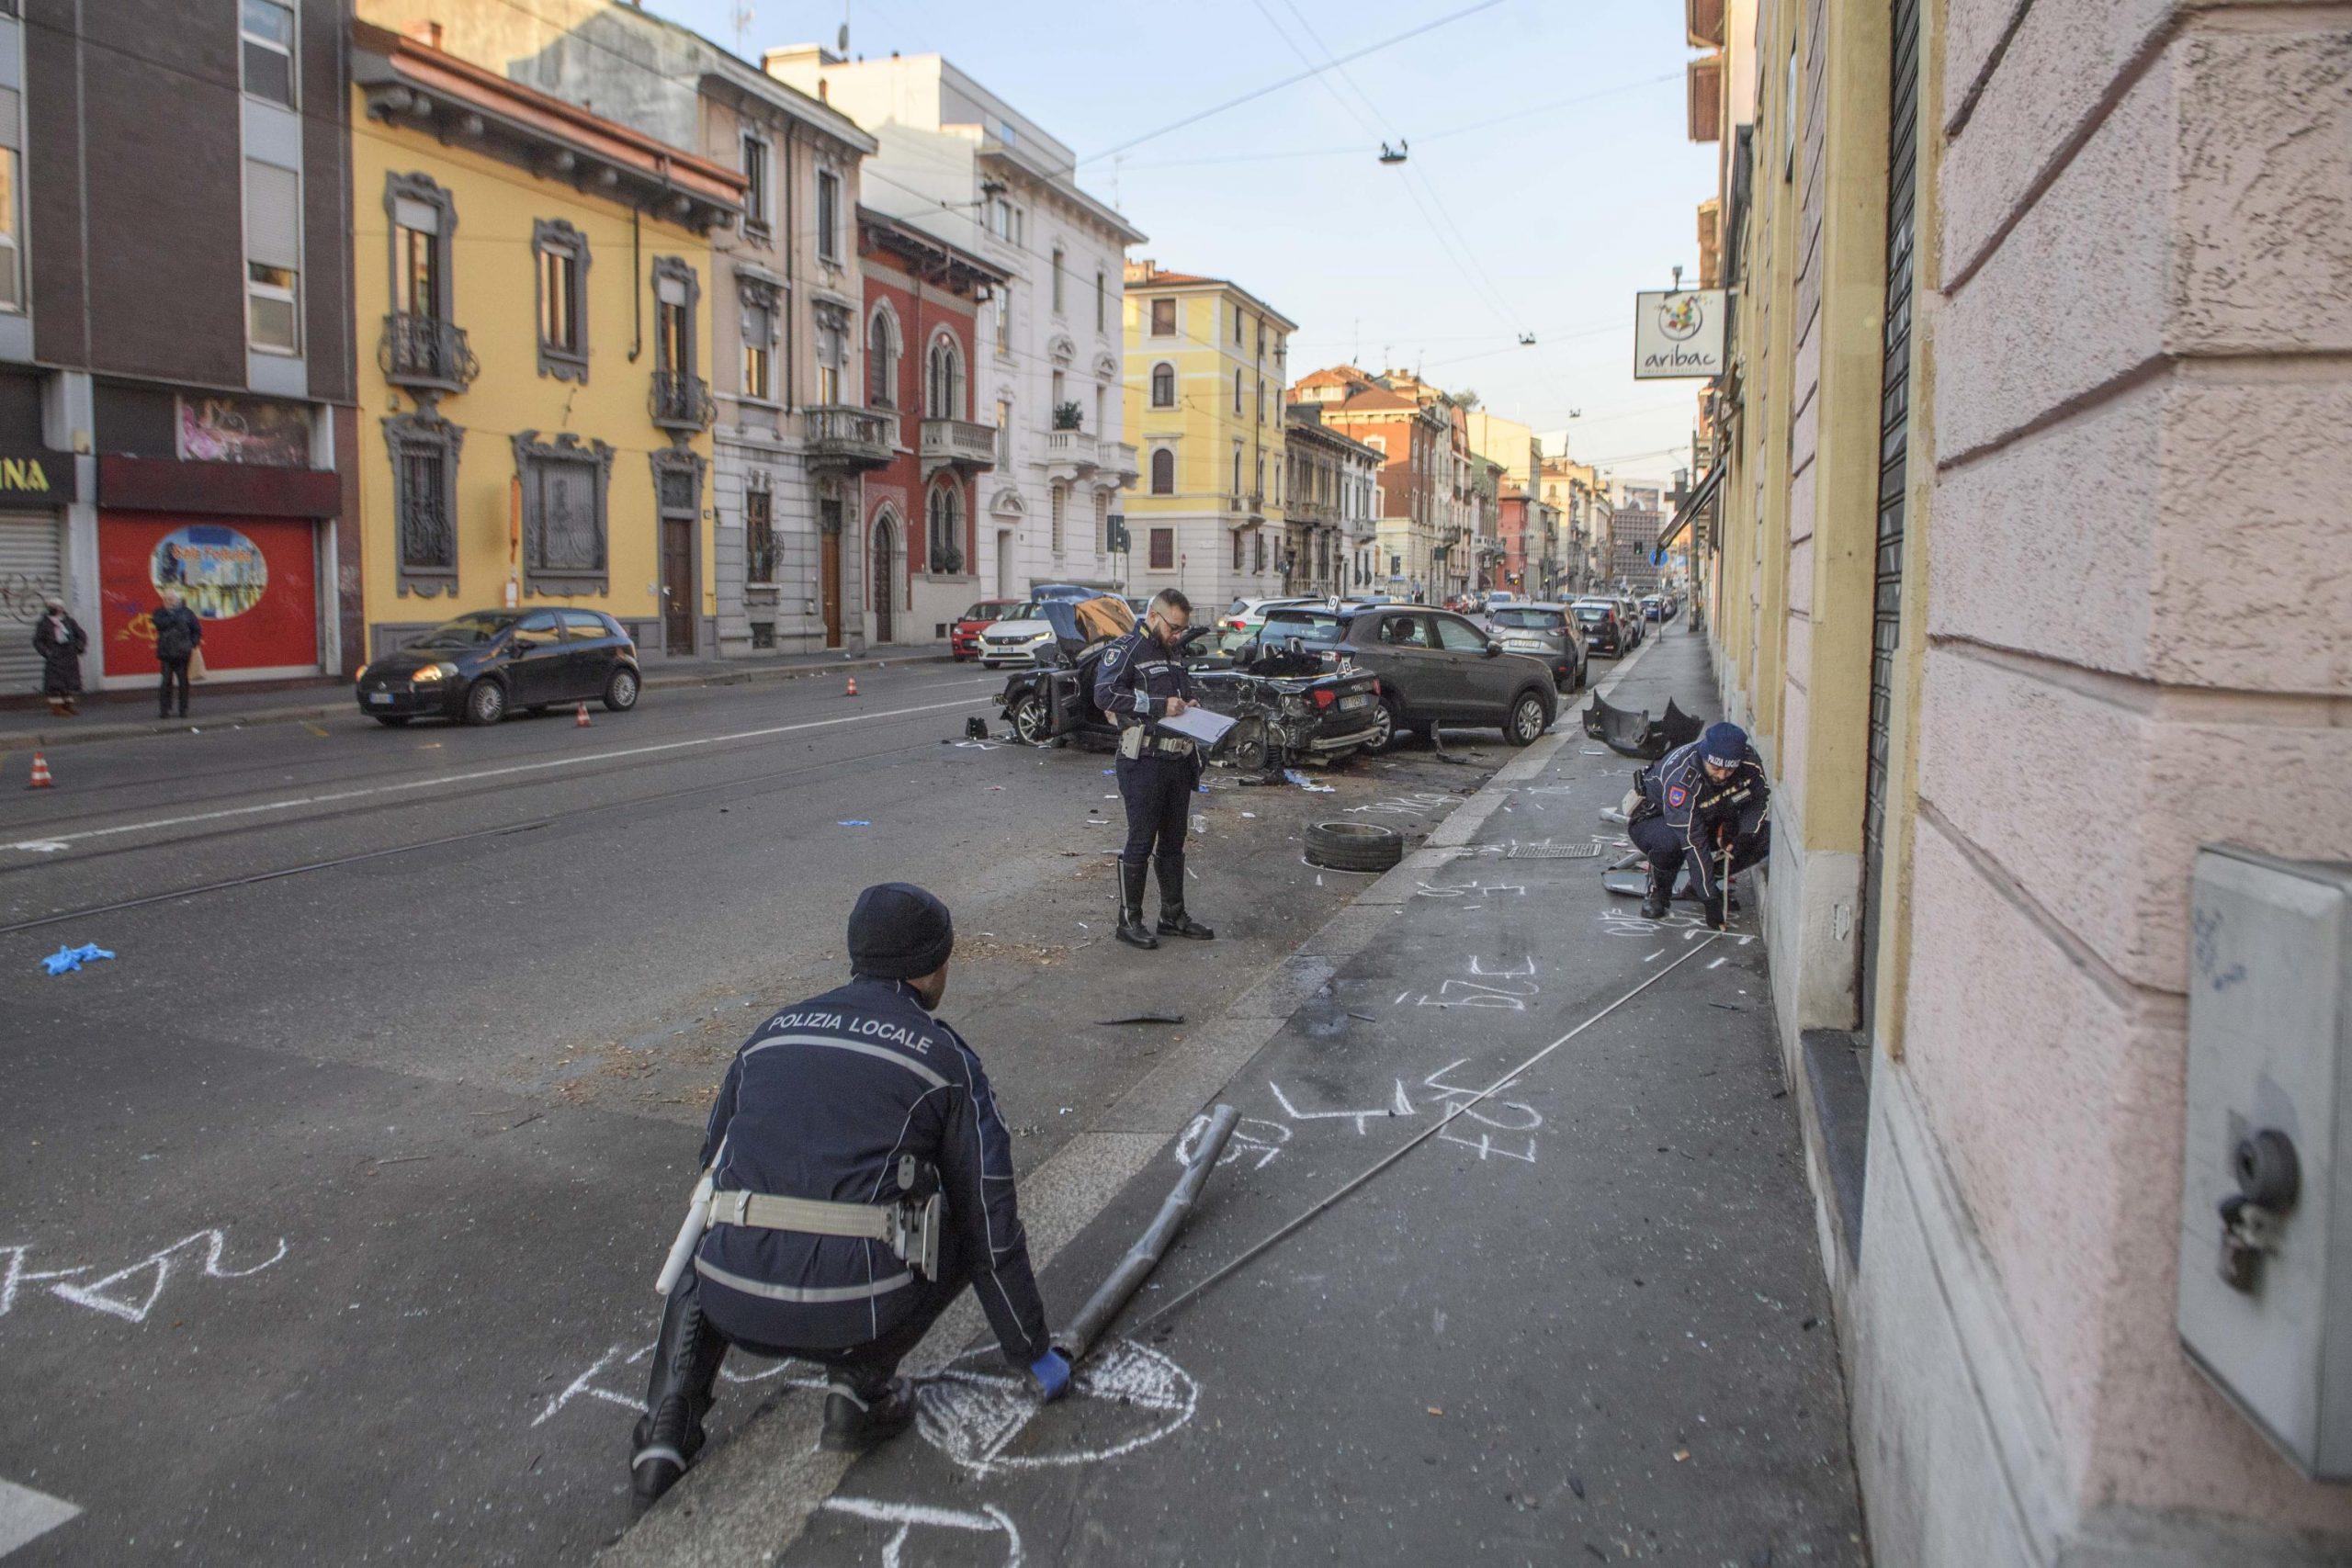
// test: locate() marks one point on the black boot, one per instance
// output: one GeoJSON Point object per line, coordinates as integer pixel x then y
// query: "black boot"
{"type": "Point", "coordinates": [1131, 931]}
{"type": "Point", "coordinates": [862, 1413]}
{"type": "Point", "coordinates": [1174, 921]}
{"type": "Point", "coordinates": [1661, 886]}
{"type": "Point", "coordinates": [686, 1366]}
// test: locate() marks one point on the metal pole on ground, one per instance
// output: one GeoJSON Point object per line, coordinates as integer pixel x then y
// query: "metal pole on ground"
{"type": "Point", "coordinates": [1144, 1256]}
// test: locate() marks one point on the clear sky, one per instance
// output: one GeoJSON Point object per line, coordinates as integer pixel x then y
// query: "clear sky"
{"type": "Point", "coordinates": [1550, 174]}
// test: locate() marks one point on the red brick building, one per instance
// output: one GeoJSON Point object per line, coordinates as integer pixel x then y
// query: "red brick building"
{"type": "Point", "coordinates": [918, 533]}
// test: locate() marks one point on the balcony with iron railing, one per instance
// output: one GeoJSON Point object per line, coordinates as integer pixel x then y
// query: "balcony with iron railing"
{"type": "Point", "coordinates": [681, 401]}
{"type": "Point", "coordinates": [960, 444]}
{"type": "Point", "coordinates": [425, 353]}
{"type": "Point", "coordinates": [841, 437]}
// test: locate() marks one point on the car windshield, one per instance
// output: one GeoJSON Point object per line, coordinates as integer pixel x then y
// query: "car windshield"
{"type": "Point", "coordinates": [1309, 625]}
{"type": "Point", "coordinates": [467, 631]}
{"type": "Point", "coordinates": [1592, 612]}
{"type": "Point", "coordinates": [987, 610]}
{"type": "Point", "coordinates": [1532, 620]}
{"type": "Point", "coordinates": [1033, 611]}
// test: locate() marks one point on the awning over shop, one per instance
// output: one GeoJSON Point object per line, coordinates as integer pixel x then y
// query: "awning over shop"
{"type": "Point", "coordinates": [1692, 506]}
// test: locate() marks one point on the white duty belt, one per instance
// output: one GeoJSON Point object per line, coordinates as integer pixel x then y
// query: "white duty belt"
{"type": "Point", "coordinates": [909, 1228]}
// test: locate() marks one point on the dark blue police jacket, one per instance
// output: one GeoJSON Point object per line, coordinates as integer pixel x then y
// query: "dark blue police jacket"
{"type": "Point", "coordinates": [821, 1102]}
{"type": "Point", "coordinates": [1697, 808]}
{"type": "Point", "coordinates": [1137, 677]}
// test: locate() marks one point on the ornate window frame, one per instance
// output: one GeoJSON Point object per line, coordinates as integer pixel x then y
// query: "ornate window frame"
{"type": "Point", "coordinates": [557, 235]}
{"type": "Point", "coordinates": [534, 460]}
{"type": "Point", "coordinates": [419, 187]}
{"type": "Point", "coordinates": [894, 349]}
{"type": "Point", "coordinates": [944, 551]}
{"type": "Point", "coordinates": [677, 269]}
{"type": "Point", "coordinates": [1159, 365]}
{"type": "Point", "coordinates": [757, 294]}
{"type": "Point", "coordinates": [415, 434]}
{"type": "Point", "coordinates": [1152, 477]}
{"type": "Point", "coordinates": [956, 383]}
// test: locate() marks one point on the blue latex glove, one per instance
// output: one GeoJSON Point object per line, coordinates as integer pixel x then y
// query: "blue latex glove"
{"type": "Point", "coordinates": [1051, 1373]}
{"type": "Point", "coordinates": [65, 960]}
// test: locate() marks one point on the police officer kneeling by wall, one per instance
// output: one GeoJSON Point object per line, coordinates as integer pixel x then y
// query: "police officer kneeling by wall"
{"type": "Point", "coordinates": [1703, 802]}
{"type": "Point", "coordinates": [845, 1127]}
{"type": "Point", "coordinates": [1142, 681]}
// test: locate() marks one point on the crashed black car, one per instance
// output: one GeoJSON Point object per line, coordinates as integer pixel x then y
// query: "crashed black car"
{"type": "Point", "coordinates": [1288, 709]}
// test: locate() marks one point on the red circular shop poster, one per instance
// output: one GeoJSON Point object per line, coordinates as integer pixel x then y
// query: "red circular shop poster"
{"type": "Point", "coordinates": [253, 582]}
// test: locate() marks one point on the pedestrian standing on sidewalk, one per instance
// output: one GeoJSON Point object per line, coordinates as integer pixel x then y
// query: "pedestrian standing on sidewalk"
{"type": "Point", "coordinates": [1704, 802]}
{"type": "Point", "coordinates": [61, 642]}
{"type": "Point", "coordinates": [179, 634]}
{"type": "Point", "coordinates": [845, 1127]}
{"type": "Point", "coordinates": [1142, 681]}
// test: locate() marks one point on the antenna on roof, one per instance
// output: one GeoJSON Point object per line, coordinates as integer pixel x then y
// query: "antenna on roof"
{"type": "Point", "coordinates": [742, 23]}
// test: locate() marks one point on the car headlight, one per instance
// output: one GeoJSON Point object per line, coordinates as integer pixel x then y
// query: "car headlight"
{"type": "Point", "coordinates": [434, 672]}
{"type": "Point", "coordinates": [361, 675]}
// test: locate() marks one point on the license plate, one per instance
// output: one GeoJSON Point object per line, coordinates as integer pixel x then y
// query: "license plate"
{"type": "Point", "coordinates": [1359, 700]}
{"type": "Point", "coordinates": [381, 698]}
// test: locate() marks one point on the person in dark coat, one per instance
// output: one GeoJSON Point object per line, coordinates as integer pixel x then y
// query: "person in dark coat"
{"type": "Point", "coordinates": [842, 1117]}
{"type": "Point", "coordinates": [1704, 804]}
{"type": "Point", "coordinates": [179, 634]}
{"type": "Point", "coordinates": [61, 641]}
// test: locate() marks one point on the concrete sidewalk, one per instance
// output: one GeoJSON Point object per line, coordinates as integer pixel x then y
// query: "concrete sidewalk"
{"type": "Point", "coordinates": [118, 715]}
{"type": "Point", "coordinates": [1584, 1320]}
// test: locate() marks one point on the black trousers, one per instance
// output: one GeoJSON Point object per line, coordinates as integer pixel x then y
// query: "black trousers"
{"type": "Point", "coordinates": [174, 670]}
{"type": "Point", "coordinates": [1662, 844]}
{"type": "Point", "coordinates": [1157, 792]}
{"type": "Point", "coordinates": [866, 1368]}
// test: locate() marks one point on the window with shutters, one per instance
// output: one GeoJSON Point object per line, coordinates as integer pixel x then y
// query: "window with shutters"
{"type": "Point", "coordinates": [1060, 506]}
{"type": "Point", "coordinates": [1163, 471]}
{"type": "Point", "coordinates": [759, 536]}
{"type": "Point", "coordinates": [1101, 521]}
{"type": "Point", "coordinates": [1163, 386]}
{"type": "Point", "coordinates": [273, 257]}
{"type": "Point", "coordinates": [1163, 549]}
{"type": "Point", "coordinates": [423, 452]}
{"type": "Point", "coordinates": [1236, 396]}
{"type": "Point", "coordinates": [265, 37]}
{"type": "Point", "coordinates": [561, 252]}
{"type": "Point", "coordinates": [1260, 551]}
{"type": "Point", "coordinates": [832, 352]}
{"type": "Point", "coordinates": [758, 327]}
{"type": "Point", "coordinates": [676, 290]}
{"type": "Point", "coordinates": [1101, 302]}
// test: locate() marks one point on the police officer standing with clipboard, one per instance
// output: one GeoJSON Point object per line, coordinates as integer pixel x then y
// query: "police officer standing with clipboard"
{"type": "Point", "coordinates": [1142, 681]}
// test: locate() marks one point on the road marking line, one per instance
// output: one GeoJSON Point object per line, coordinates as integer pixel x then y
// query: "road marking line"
{"type": "Point", "coordinates": [26, 1515]}
{"type": "Point", "coordinates": [298, 801]}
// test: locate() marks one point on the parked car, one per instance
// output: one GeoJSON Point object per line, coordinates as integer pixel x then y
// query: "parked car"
{"type": "Point", "coordinates": [1016, 639]}
{"type": "Point", "coordinates": [1543, 631]}
{"type": "Point", "coordinates": [1653, 607]}
{"type": "Point", "coordinates": [1314, 626]}
{"type": "Point", "coordinates": [1308, 715]}
{"type": "Point", "coordinates": [1243, 616]}
{"type": "Point", "coordinates": [964, 636]}
{"type": "Point", "coordinates": [1629, 610]}
{"type": "Point", "coordinates": [1605, 631]}
{"type": "Point", "coordinates": [1435, 668]}
{"type": "Point", "coordinates": [482, 664]}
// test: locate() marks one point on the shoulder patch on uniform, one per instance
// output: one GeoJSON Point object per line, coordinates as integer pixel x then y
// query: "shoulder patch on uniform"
{"type": "Point", "coordinates": [1676, 794]}
{"type": "Point", "coordinates": [1113, 657]}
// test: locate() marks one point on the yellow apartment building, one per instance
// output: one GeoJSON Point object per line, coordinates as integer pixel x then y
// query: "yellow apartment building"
{"type": "Point", "coordinates": [535, 426]}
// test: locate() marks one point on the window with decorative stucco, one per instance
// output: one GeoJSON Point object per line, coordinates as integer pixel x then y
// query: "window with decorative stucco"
{"type": "Point", "coordinates": [564, 485]}
{"type": "Point", "coordinates": [559, 254]}
{"type": "Point", "coordinates": [943, 396]}
{"type": "Point", "coordinates": [881, 359]}
{"type": "Point", "coordinates": [424, 451]}
{"type": "Point", "coordinates": [1163, 471]}
{"type": "Point", "coordinates": [946, 530]}
{"type": "Point", "coordinates": [759, 536]}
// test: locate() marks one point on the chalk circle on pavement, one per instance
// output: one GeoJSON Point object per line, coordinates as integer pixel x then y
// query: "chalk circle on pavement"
{"type": "Point", "coordinates": [1123, 1397]}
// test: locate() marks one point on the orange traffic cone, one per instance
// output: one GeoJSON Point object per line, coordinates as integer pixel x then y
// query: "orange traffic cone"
{"type": "Point", "coordinates": [582, 721]}
{"type": "Point", "coordinates": [852, 687]}
{"type": "Point", "coordinates": [40, 774]}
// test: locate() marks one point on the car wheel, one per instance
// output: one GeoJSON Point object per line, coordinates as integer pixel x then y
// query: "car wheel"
{"type": "Point", "coordinates": [1354, 846]}
{"type": "Point", "coordinates": [620, 690]}
{"type": "Point", "coordinates": [391, 720]}
{"type": "Point", "coordinates": [486, 703]}
{"type": "Point", "coordinates": [1246, 750]}
{"type": "Point", "coordinates": [1029, 719]}
{"type": "Point", "coordinates": [1528, 719]}
{"type": "Point", "coordinates": [1386, 726]}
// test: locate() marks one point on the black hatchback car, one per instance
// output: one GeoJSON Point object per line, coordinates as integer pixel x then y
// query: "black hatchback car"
{"type": "Point", "coordinates": [485, 662]}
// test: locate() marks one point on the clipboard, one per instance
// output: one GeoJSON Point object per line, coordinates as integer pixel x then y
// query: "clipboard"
{"type": "Point", "coordinates": [1198, 724]}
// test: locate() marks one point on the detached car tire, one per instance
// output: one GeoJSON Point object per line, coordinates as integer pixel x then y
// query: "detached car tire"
{"type": "Point", "coordinates": [1354, 846]}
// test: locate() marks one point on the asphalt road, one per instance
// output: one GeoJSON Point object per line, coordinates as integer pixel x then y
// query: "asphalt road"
{"type": "Point", "coordinates": [328, 1208]}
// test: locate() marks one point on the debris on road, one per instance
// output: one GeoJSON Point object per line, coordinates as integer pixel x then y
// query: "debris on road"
{"type": "Point", "coordinates": [65, 960]}
{"type": "Point", "coordinates": [1303, 782]}
{"type": "Point", "coordinates": [854, 822]}
{"type": "Point", "coordinates": [1141, 1018]}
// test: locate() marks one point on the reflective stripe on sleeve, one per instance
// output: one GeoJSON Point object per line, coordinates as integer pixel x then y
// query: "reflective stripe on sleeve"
{"type": "Point", "coordinates": [821, 1296]}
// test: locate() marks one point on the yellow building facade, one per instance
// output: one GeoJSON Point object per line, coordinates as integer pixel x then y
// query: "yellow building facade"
{"type": "Point", "coordinates": [534, 427]}
{"type": "Point", "coordinates": [1205, 410]}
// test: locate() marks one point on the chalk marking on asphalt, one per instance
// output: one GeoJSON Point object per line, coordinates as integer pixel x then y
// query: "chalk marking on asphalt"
{"type": "Point", "coordinates": [481, 774]}
{"type": "Point", "coordinates": [990, 1520]}
{"type": "Point", "coordinates": [27, 1515]}
{"type": "Point", "coordinates": [1655, 956]}
{"type": "Point", "coordinates": [973, 1416]}
{"type": "Point", "coordinates": [1720, 962]}
{"type": "Point", "coordinates": [1453, 1110]}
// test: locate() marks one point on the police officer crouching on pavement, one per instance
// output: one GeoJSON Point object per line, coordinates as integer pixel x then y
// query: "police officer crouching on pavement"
{"type": "Point", "coordinates": [1705, 801]}
{"type": "Point", "coordinates": [843, 1128]}
{"type": "Point", "coordinates": [1141, 680]}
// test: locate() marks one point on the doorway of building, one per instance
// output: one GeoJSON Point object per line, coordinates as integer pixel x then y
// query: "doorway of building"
{"type": "Point", "coordinates": [677, 587]}
{"type": "Point", "coordinates": [829, 573]}
{"type": "Point", "coordinates": [1004, 563]}
{"type": "Point", "coordinates": [886, 579]}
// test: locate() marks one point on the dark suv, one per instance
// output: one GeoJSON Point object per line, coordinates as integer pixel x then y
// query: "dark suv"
{"type": "Point", "coordinates": [1435, 668]}
{"type": "Point", "coordinates": [485, 662]}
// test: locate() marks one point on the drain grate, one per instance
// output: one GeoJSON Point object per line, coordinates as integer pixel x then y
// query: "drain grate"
{"type": "Point", "coordinates": [1549, 851]}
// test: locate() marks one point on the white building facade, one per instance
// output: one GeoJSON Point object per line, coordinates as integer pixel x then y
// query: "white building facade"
{"type": "Point", "coordinates": [957, 160]}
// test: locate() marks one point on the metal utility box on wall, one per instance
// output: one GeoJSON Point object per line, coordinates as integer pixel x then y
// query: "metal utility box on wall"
{"type": "Point", "coordinates": [2264, 1305]}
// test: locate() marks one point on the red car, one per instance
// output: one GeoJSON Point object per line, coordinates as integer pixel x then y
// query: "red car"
{"type": "Point", "coordinates": [964, 636]}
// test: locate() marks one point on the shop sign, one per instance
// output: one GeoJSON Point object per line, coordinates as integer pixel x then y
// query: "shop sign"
{"type": "Point", "coordinates": [1677, 332]}
{"type": "Point", "coordinates": [251, 582]}
{"type": "Point", "coordinates": [37, 476]}
{"type": "Point", "coordinates": [244, 430]}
